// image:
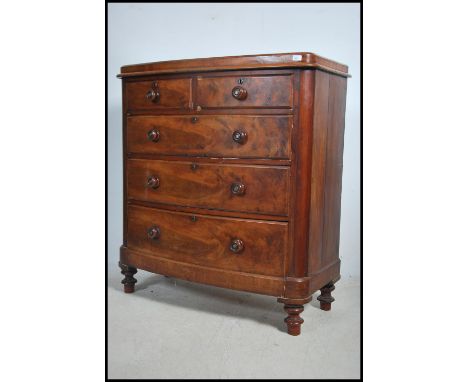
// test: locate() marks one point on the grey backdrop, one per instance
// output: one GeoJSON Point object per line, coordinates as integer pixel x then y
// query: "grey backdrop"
{"type": "Point", "coordinates": [140, 33]}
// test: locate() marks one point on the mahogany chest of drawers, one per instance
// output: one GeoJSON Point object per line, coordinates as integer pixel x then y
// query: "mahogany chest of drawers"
{"type": "Point", "coordinates": [232, 174]}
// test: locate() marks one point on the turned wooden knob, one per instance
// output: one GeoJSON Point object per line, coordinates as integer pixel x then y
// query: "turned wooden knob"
{"type": "Point", "coordinates": [239, 93]}
{"type": "Point", "coordinates": [154, 135]}
{"type": "Point", "coordinates": [239, 136]}
{"type": "Point", "coordinates": [237, 246]}
{"type": "Point", "coordinates": [154, 233]}
{"type": "Point", "coordinates": [153, 182]}
{"type": "Point", "coordinates": [238, 188]}
{"type": "Point", "coordinates": [153, 94]}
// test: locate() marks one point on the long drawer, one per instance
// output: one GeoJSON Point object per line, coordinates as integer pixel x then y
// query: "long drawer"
{"type": "Point", "coordinates": [246, 188]}
{"type": "Point", "coordinates": [252, 246]}
{"type": "Point", "coordinates": [213, 136]}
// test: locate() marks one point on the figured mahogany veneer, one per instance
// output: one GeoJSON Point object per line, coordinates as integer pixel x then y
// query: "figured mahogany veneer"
{"type": "Point", "coordinates": [239, 136]}
{"type": "Point", "coordinates": [265, 188]}
{"type": "Point", "coordinates": [252, 246]}
{"type": "Point", "coordinates": [244, 91]}
{"type": "Point", "coordinates": [159, 94]}
{"type": "Point", "coordinates": [232, 174]}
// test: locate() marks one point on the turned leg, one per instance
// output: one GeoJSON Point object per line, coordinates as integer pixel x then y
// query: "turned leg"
{"type": "Point", "coordinates": [325, 297]}
{"type": "Point", "coordinates": [129, 281]}
{"type": "Point", "coordinates": [294, 321]}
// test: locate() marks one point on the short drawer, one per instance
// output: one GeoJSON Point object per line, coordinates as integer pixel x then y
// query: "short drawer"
{"type": "Point", "coordinates": [159, 94]}
{"type": "Point", "coordinates": [246, 188]}
{"type": "Point", "coordinates": [248, 91]}
{"type": "Point", "coordinates": [252, 246]}
{"type": "Point", "coordinates": [215, 136]}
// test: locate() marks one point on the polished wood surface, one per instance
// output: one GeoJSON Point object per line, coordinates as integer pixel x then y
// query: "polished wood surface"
{"type": "Point", "coordinates": [244, 281]}
{"type": "Point", "coordinates": [129, 281]}
{"type": "Point", "coordinates": [174, 94]}
{"type": "Point", "coordinates": [232, 174]}
{"type": "Point", "coordinates": [294, 320]}
{"type": "Point", "coordinates": [305, 60]}
{"type": "Point", "coordinates": [210, 185]}
{"type": "Point", "coordinates": [325, 297]}
{"type": "Point", "coordinates": [210, 241]}
{"type": "Point", "coordinates": [211, 136]}
{"type": "Point", "coordinates": [259, 91]}
{"type": "Point", "coordinates": [209, 211]}
{"type": "Point", "coordinates": [327, 164]}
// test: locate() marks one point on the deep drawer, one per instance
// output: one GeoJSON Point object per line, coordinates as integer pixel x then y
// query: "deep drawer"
{"type": "Point", "coordinates": [159, 94]}
{"type": "Point", "coordinates": [233, 244]}
{"type": "Point", "coordinates": [215, 136]}
{"type": "Point", "coordinates": [248, 91]}
{"type": "Point", "coordinates": [247, 188]}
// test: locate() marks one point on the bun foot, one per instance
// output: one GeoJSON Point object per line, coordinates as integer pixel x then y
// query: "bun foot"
{"type": "Point", "coordinates": [129, 281]}
{"type": "Point", "coordinates": [325, 297]}
{"type": "Point", "coordinates": [294, 321]}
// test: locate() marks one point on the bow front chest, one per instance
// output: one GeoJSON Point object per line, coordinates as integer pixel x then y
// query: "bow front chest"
{"type": "Point", "coordinates": [232, 174]}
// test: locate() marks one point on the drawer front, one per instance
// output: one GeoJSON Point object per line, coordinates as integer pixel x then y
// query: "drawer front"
{"type": "Point", "coordinates": [238, 92]}
{"type": "Point", "coordinates": [159, 94]}
{"type": "Point", "coordinates": [247, 188]}
{"type": "Point", "coordinates": [233, 244]}
{"type": "Point", "coordinates": [215, 136]}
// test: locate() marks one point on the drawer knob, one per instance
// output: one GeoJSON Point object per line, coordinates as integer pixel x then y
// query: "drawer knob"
{"type": "Point", "coordinates": [153, 94]}
{"type": "Point", "coordinates": [239, 93]}
{"type": "Point", "coordinates": [238, 188]}
{"type": "Point", "coordinates": [153, 182]}
{"type": "Point", "coordinates": [154, 135]}
{"type": "Point", "coordinates": [239, 136]}
{"type": "Point", "coordinates": [154, 233]}
{"type": "Point", "coordinates": [237, 246]}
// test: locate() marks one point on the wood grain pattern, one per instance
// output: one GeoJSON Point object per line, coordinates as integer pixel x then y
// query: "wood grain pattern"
{"type": "Point", "coordinates": [174, 94]}
{"type": "Point", "coordinates": [326, 170]}
{"type": "Point", "coordinates": [262, 91]}
{"type": "Point", "coordinates": [243, 281]}
{"type": "Point", "coordinates": [206, 240]}
{"type": "Point", "coordinates": [299, 290]}
{"type": "Point", "coordinates": [219, 160]}
{"type": "Point", "coordinates": [124, 161]}
{"type": "Point", "coordinates": [319, 154]}
{"type": "Point", "coordinates": [305, 60]}
{"type": "Point", "coordinates": [300, 204]}
{"type": "Point", "coordinates": [212, 136]}
{"type": "Point", "coordinates": [334, 165]}
{"type": "Point", "coordinates": [232, 174]}
{"type": "Point", "coordinates": [207, 211]}
{"type": "Point", "coordinates": [209, 185]}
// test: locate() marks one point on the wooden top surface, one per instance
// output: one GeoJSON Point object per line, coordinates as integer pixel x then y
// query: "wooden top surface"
{"type": "Point", "coordinates": [262, 61]}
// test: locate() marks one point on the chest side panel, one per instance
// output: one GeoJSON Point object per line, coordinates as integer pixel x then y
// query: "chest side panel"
{"type": "Point", "coordinates": [327, 165]}
{"type": "Point", "coordinates": [334, 170]}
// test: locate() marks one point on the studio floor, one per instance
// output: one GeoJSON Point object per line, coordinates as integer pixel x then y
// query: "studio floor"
{"type": "Point", "coordinates": [171, 328]}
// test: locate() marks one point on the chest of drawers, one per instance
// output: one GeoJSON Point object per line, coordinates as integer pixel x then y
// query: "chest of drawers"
{"type": "Point", "coordinates": [232, 174]}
